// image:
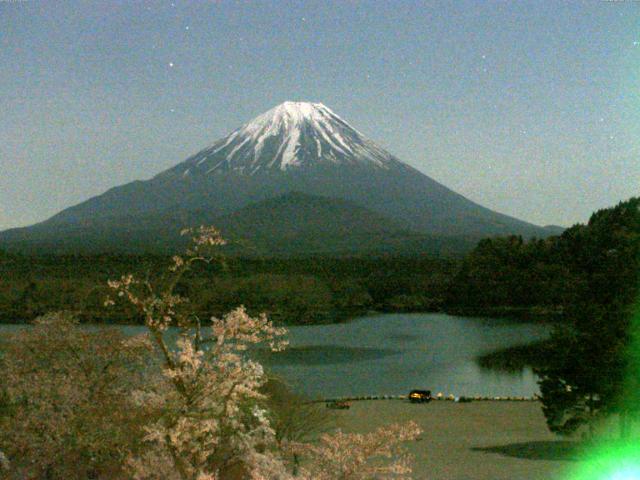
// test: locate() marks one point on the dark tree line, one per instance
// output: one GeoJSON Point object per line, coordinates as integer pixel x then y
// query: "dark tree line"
{"type": "Point", "coordinates": [514, 277]}
{"type": "Point", "coordinates": [290, 290]}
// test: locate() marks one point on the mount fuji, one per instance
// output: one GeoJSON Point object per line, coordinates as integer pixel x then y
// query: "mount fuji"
{"type": "Point", "coordinates": [283, 178]}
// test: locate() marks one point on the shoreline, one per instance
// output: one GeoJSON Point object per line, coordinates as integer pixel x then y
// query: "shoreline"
{"type": "Point", "coordinates": [344, 317]}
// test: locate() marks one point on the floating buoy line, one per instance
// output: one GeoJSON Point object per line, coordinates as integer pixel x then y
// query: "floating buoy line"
{"type": "Point", "coordinates": [437, 397]}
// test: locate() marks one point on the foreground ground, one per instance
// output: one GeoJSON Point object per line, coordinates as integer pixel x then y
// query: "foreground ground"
{"type": "Point", "coordinates": [490, 440]}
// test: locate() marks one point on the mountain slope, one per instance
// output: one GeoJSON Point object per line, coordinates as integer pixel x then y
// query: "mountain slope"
{"type": "Point", "coordinates": [297, 223]}
{"type": "Point", "coordinates": [295, 147]}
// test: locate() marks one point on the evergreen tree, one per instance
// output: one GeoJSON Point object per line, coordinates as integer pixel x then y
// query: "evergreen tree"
{"type": "Point", "coordinates": [583, 376]}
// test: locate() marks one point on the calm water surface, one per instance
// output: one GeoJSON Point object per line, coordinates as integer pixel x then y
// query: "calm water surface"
{"type": "Point", "coordinates": [392, 354]}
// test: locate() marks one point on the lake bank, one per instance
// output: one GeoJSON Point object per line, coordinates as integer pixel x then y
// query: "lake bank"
{"type": "Point", "coordinates": [541, 314]}
{"type": "Point", "coordinates": [471, 441]}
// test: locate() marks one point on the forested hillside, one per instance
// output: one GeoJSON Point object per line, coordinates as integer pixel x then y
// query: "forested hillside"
{"type": "Point", "coordinates": [503, 276]}
{"type": "Point", "coordinates": [301, 290]}
{"type": "Point", "coordinates": [508, 275]}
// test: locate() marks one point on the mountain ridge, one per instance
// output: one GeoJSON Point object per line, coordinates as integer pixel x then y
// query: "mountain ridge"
{"type": "Point", "coordinates": [243, 168]}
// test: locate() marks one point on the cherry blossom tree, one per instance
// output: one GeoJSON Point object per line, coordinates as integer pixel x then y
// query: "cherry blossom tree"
{"type": "Point", "coordinates": [214, 424]}
{"type": "Point", "coordinates": [354, 456]}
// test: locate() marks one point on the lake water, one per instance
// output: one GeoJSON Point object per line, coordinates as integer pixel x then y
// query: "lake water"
{"type": "Point", "coordinates": [393, 353]}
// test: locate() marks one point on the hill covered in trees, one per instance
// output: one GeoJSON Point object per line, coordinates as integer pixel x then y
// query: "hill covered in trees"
{"type": "Point", "coordinates": [590, 277]}
{"type": "Point", "coordinates": [509, 275]}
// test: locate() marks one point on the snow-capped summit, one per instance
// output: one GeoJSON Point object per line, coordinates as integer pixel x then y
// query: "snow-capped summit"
{"type": "Point", "coordinates": [290, 135]}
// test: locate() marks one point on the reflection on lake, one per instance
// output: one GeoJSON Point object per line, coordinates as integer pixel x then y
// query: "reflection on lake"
{"type": "Point", "coordinates": [394, 353]}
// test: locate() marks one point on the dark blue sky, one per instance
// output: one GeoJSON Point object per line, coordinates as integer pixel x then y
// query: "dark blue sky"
{"type": "Point", "coordinates": [529, 108]}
